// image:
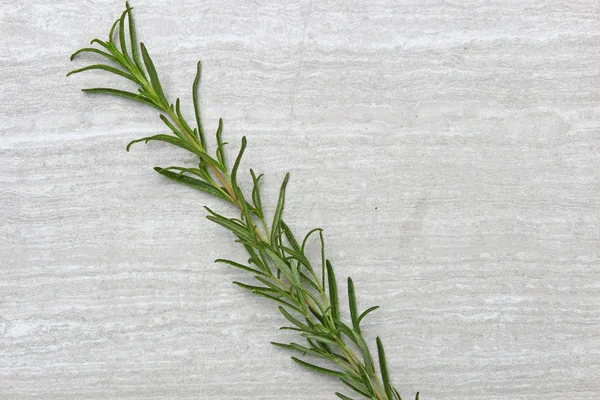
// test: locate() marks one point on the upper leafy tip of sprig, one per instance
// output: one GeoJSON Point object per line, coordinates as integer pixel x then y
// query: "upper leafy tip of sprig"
{"type": "Point", "coordinates": [125, 57]}
{"type": "Point", "coordinates": [122, 57]}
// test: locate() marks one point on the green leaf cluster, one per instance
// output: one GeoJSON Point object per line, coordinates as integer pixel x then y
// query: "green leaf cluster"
{"type": "Point", "coordinates": [307, 295]}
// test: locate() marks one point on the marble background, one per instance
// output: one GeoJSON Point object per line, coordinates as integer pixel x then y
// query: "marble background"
{"type": "Point", "coordinates": [450, 149]}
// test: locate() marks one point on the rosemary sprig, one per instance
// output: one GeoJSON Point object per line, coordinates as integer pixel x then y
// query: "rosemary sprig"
{"type": "Point", "coordinates": [307, 297]}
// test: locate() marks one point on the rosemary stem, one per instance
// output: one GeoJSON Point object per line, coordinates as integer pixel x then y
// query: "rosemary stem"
{"type": "Point", "coordinates": [281, 265]}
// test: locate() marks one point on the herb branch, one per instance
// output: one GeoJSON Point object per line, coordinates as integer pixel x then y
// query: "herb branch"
{"type": "Point", "coordinates": [307, 296]}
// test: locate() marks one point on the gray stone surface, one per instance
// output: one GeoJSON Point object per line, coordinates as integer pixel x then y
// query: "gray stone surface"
{"type": "Point", "coordinates": [450, 149]}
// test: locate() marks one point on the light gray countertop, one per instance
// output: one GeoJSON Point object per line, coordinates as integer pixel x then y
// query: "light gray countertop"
{"type": "Point", "coordinates": [449, 149]}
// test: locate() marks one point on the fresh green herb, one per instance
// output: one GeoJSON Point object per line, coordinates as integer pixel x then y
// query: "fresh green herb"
{"type": "Point", "coordinates": [307, 296]}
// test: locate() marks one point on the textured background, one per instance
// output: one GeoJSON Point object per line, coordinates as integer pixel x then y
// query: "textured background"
{"type": "Point", "coordinates": [450, 149]}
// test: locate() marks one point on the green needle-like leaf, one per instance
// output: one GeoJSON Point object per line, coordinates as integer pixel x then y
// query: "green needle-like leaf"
{"type": "Point", "coordinates": [256, 199]}
{"type": "Point", "coordinates": [279, 300]}
{"type": "Point", "coordinates": [237, 228]}
{"type": "Point", "coordinates": [111, 35]}
{"type": "Point", "coordinates": [301, 349]}
{"type": "Point", "coordinates": [279, 210]}
{"type": "Point", "coordinates": [352, 305]}
{"type": "Point", "coordinates": [318, 369]}
{"type": "Point", "coordinates": [282, 266]}
{"type": "Point", "coordinates": [357, 387]}
{"type": "Point", "coordinates": [365, 353]}
{"type": "Point", "coordinates": [240, 266]}
{"type": "Point", "coordinates": [172, 127]}
{"type": "Point", "coordinates": [333, 295]}
{"type": "Point", "coordinates": [108, 68]}
{"type": "Point", "coordinates": [153, 75]}
{"type": "Point", "coordinates": [365, 313]}
{"type": "Point", "coordinates": [236, 166]}
{"type": "Point", "coordinates": [96, 51]}
{"type": "Point", "coordinates": [383, 367]}
{"type": "Point", "coordinates": [253, 288]}
{"type": "Point", "coordinates": [133, 39]}
{"type": "Point", "coordinates": [120, 93]}
{"type": "Point", "coordinates": [192, 182]}
{"type": "Point", "coordinates": [293, 320]}
{"type": "Point", "coordinates": [163, 138]}
{"type": "Point", "coordinates": [290, 238]}
{"type": "Point", "coordinates": [186, 127]}
{"type": "Point", "coordinates": [197, 105]}
{"type": "Point", "coordinates": [122, 40]}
